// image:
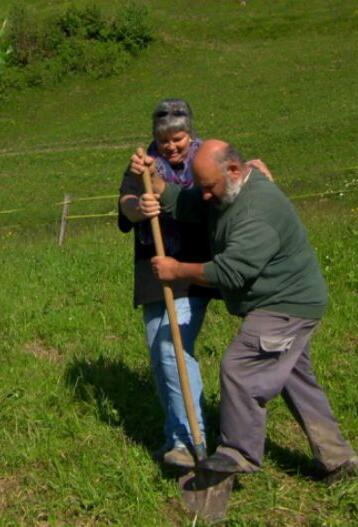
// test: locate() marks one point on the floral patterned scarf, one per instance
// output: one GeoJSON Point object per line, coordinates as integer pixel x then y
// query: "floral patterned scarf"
{"type": "Point", "coordinates": [180, 175]}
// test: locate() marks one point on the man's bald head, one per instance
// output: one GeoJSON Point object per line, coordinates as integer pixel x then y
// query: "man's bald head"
{"type": "Point", "coordinates": [219, 170]}
{"type": "Point", "coordinates": [210, 151]}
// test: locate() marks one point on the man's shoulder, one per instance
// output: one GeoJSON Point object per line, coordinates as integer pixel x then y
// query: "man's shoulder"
{"type": "Point", "coordinates": [260, 188]}
{"type": "Point", "coordinates": [262, 200]}
{"type": "Point", "coordinates": [258, 180]}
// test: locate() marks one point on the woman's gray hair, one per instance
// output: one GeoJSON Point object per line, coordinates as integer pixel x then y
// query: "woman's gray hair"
{"type": "Point", "coordinates": [172, 115]}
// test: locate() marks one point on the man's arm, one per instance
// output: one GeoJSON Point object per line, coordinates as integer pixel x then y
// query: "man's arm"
{"type": "Point", "coordinates": [183, 205]}
{"type": "Point", "coordinates": [249, 248]}
{"type": "Point", "coordinates": [252, 243]}
{"type": "Point", "coordinates": [168, 269]}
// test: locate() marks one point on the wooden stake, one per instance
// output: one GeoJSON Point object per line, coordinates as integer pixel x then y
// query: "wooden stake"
{"type": "Point", "coordinates": [66, 207]}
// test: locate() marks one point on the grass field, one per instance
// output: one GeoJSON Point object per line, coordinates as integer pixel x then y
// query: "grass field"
{"type": "Point", "coordinates": [79, 415]}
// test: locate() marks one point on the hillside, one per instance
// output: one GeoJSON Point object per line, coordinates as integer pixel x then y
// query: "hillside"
{"type": "Point", "coordinates": [80, 418]}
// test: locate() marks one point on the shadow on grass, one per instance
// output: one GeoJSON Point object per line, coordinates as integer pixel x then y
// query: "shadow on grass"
{"type": "Point", "coordinates": [292, 462]}
{"type": "Point", "coordinates": [127, 398]}
{"type": "Point", "coordinates": [122, 397]}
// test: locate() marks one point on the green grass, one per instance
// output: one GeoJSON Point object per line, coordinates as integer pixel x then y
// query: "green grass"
{"type": "Point", "coordinates": [78, 409]}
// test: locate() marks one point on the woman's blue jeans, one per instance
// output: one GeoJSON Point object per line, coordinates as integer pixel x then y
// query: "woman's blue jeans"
{"type": "Point", "coordinates": [190, 314]}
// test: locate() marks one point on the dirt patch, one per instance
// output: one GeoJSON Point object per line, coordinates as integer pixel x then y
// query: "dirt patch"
{"type": "Point", "coordinates": [112, 337]}
{"type": "Point", "coordinates": [40, 350]}
{"type": "Point", "coordinates": [9, 488]}
{"type": "Point", "coordinates": [352, 343]}
{"type": "Point", "coordinates": [176, 513]}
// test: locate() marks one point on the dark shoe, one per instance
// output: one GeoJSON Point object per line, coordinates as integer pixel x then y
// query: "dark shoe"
{"type": "Point", "coordinates": [220, 462]}
{"type": "Point", "coordinates": [347, 470]}
{"type": "Point", "coordinates": [158, 455]}
{"type": "Point", "coordinates": [179, 456]}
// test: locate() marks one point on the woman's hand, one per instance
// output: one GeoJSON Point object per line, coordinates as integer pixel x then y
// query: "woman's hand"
{"type": "Point", "coordinates": [139, 160]}
{"type": "Point", "coordinates": [149, 205]}
{"type": "Point", "coordinates": [261, 166]}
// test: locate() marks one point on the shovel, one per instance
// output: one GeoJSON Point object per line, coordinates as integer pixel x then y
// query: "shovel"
{"type": "Point", "coordinates": [204, 492]}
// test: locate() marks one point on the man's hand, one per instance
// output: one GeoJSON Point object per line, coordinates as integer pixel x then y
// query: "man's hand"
{"type": "Point", "coordinates": [165, 268]}
{"type": "Point", "coordinates": [261, 166]}
{"type": "Point", "coordinates": [149, 205]}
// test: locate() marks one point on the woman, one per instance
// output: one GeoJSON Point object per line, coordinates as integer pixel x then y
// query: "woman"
{"type": "Point", "coordinates": [173, 149]}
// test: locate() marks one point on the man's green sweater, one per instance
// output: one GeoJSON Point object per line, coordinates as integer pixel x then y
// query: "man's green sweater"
{"type": "Point", "coordinates": [262, 258]}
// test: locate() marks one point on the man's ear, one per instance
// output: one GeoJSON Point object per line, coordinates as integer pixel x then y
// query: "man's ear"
{"type": "Point", "coordinates": [234, 170]}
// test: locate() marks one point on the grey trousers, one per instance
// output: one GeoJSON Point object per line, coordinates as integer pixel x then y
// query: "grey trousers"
{"type": "Point", "coordinates": [270, 356]}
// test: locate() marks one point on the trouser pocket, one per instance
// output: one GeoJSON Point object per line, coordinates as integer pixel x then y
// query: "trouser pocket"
{"type": "Point", "coordinates": [277, 343]}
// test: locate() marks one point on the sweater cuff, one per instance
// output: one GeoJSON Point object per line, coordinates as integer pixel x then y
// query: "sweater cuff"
{"type": "Point", "coordinates": [210, 273]}
{"type": "Point", "coordinates": [168, 196]}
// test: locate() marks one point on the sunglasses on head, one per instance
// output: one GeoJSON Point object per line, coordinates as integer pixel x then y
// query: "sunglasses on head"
{"type": "Point", "coordinates": [176, 113]}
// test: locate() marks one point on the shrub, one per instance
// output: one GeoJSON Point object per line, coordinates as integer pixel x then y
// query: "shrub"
{"type": "Point", "coordinates": [131, 28]}
{"type": "Point", "coordinates": [96, 58]}
{"type": "Point", "coordinates": [44, 73]}
{"type": "Point", "coordinates": [11, 78]}
{"type": "Point", "coordinates": [5, 48]}
{"type": "Point", "coordinates": [23, 35]}
{"type": "Point", "coordinates": [104, 60]}
{"type": "Point", "coordinates": [87, 23]}
{"type": "Point", "coordinates": [80, 40]}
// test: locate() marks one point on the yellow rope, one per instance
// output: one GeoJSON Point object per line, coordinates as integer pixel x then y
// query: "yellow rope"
{"type": "Point", "coordinates": [107, 214]}
{"type": "Point", "coordinates": [322, 194]}
{"type": "Point", "coordinates": [9, 211]}
{"type": "Point", "coordinates": [92, 198]}
{"type": "Point", "coordinates": [111, 196]}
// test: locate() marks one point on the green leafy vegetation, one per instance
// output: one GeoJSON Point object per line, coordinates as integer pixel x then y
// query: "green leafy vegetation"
{"type": "Point", "coordinates": [5, 48]}
{"type": "Point", "coordinates": [79, 40]}
{"type": "Point", "coordinates": [80, 418]}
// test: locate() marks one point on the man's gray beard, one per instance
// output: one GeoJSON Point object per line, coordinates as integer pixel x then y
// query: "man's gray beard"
{"type": "Point", "coordinates": [232, 190]}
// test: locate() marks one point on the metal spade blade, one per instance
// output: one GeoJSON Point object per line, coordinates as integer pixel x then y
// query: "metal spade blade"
{"type": "Point", "coordinates": [207, 493]}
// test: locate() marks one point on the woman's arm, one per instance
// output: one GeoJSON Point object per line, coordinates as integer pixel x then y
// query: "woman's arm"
{"type": "Point", "coordinates": [132, 187]}
{"type": "Point", "coordinates": [129, 205]}
{"type": "Point", "coordinates": [261, 166]}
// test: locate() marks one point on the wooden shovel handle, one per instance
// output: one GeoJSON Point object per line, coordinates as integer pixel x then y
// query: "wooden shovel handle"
{"type": "Point", "coordinates": [174, 327]}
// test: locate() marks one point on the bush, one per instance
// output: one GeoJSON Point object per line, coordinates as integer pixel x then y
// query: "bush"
{"type": "Point", "coordinates": [98, 59]}
{"type": "Point", "coordinates": [80, 40]}
{"type": "Point", "coordinates": [22, 35]}
{"type": "Point", "coordinates": [10, 79]}
{"type": "Point", "coordinates": [5, 48]}
{"type": "Point", "coordinates": [131, 28]}
{"type": "Point", "coordinates": [86, 23]}
{"type": "Point", "coordinates": [44, 73]}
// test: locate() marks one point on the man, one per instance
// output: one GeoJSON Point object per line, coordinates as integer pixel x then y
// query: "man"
{"type": "Point", "coordinates": [268, 274]}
